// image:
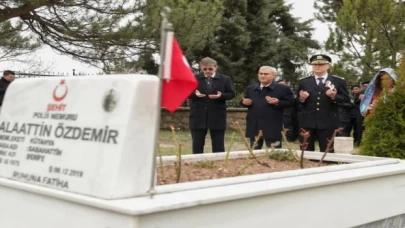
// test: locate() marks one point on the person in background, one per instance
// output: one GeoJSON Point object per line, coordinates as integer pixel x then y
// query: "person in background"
{"type": "Point", "coordinates": [381, 85]}
{"type": "Point", "coordinates": [8, 77]}
{"type": "Point", "coordinates": [281, 81]}
{"type": "Point", "coordinates": [208, 107]}
{"type": "Point", "coordinates": [344, 113]}
{"type": "Point", "coordinates": [318, 96]}
{"type": "Point", "coordinates": [356, 117]}
{"type": "Point", "coordinates": [290, 120]}
{"type": "Point", "coordinates": [364, 85]}
{"type": "Point", "coordinates": [266, 101]}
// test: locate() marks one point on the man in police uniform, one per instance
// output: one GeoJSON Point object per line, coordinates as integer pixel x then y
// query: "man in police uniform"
{"type": "Point", "coordinates": [318, 96]}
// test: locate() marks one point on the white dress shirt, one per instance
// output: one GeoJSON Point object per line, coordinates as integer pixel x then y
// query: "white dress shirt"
{"type": "Point", "coordinates": [324, 77]}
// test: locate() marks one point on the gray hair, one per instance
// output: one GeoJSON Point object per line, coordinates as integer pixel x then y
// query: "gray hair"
{"type": "Point", "coordinates": [207, 61]}
{"type": "Point", "coordinates": [272, 69]}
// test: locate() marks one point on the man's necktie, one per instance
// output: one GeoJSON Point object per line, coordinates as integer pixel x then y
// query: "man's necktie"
{"type": "Point", "coordinates": [209, 83]}
{"type": "Point", "coordinates": [320, 83]}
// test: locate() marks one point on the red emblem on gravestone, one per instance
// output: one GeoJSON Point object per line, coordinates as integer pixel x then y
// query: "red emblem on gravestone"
{"type": "Point", "coordinates": [60, 91]}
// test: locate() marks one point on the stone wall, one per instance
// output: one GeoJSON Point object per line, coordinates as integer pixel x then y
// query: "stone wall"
{"type": "Point", "coordinates": [180, 118]}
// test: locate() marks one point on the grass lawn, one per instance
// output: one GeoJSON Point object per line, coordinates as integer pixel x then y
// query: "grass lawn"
{"type": "Point", "coordinates": [168, 146]}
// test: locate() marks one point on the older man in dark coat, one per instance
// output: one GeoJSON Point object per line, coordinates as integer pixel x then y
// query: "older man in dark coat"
{"type": "Point", "coordinates": [208, 107]}
{"type": "Point", "coordinates": [265, 102]}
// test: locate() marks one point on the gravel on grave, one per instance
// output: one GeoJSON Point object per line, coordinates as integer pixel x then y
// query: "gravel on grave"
{"type": "Point", "coordinates": [205, 170]}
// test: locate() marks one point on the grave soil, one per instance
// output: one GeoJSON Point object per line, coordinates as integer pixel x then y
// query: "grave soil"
{"type": "Point", "coordinates": [205, 170]}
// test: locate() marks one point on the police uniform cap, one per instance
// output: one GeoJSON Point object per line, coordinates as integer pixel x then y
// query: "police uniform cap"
{"type": "Point", "coordinates": [320, 59]}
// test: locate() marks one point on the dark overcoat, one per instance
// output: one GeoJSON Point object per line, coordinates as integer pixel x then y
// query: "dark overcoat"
{"type": "Point", "coordinates": [319, 111]}
{"type": "Point", "coordinates": [3, 87]}
{"type": "Point", "coordinates": [264, 116]}
{"type": "Point", "coordinates": [206, 113]}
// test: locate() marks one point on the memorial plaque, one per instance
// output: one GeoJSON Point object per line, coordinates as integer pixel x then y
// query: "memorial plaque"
{"type": "Point", "coordinates": [91, 135]}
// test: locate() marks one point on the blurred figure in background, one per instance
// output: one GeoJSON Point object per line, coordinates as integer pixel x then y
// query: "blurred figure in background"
{"type": "Point", "coordinates": [381, 85]}
{"type": "Point", "coordinates": [356, 117]}
{"type": "Point", "coordinates": [364, 85]}
{"type": "Point", "coordinates": [8, 77]}
{"type": "Point", "coordinates": [290, 119]}
{"type": "Point", "coordinates": [344, 113]}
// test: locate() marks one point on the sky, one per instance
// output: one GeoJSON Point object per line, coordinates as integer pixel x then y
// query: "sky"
{"type": "Point", "coordinates": [54, 62]}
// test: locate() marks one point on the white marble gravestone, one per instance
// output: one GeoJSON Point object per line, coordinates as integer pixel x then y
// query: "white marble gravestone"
{"type": "Point", "coordinates": [90, 135]}
{"type": "Point", "coordinates": [343, 145]}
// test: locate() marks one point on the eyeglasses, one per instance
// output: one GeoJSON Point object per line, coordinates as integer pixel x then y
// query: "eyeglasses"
{"type": "Point", "coordinates": [264, 73]}
{"type": "Point", "coordinates": [208, 69]}
{"type": "Point", "coordinates": [316, 64]}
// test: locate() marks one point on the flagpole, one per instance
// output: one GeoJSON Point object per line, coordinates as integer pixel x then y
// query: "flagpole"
{"type": "Point", "coordinates": [165, 28]}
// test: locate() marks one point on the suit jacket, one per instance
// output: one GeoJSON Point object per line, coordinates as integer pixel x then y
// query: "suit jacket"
{"type": "Point", "coordinates": [344, 111]}
{"type": "Point", "coordinates": [264, 116]}
{"type": "Point", "coordinates": [319, 111]}
{"type": "Point", "coordinates": [355, 113]}
{"type": "Point", "coordinates": [206, 113]}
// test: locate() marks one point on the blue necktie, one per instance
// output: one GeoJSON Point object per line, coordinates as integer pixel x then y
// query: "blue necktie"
{"type": "Point", "coordinates": [320, 83]}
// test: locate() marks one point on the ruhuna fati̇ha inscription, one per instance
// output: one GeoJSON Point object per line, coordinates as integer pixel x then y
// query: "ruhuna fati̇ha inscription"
{"type": "Point", "coordinates": [91, 135]}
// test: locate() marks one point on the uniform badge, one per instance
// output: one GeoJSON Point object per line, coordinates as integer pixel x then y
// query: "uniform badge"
{"type": "Point", "coordinates": [329, 84]}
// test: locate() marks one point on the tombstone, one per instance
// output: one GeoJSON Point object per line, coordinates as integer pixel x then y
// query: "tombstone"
{"type": "Point", "coordinates": [343, 145]}
{"type": "Point", "coordinates": [88, 135]}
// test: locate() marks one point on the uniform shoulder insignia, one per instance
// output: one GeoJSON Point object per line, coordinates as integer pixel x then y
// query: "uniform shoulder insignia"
{"type": "Point", "coordinates": [309, 76]}
{"type": "Point", "coordinates": [339, 77]}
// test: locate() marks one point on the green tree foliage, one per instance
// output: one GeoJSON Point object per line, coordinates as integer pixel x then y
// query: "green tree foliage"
{"type": "Point", "coordinates": [13, 43]}
{"type": "Point", "coordinates": [384, 134]}
{"type": "Point", "coordinates": [327, 9]}
{"type": "Point", "coordinates": [327, 12]}
{"type": "Point", "coordinates": [366, 34]}
{"type": "Point", "coordinates": [194, 23]}
{"type": "Point", "coordinates": [231, 42]}
{"type": "Point", "coordinates": [351, 75]}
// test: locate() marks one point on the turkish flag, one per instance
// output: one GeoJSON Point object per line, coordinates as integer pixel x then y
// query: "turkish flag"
{"type": "Point", "coordinates": [178, 79]}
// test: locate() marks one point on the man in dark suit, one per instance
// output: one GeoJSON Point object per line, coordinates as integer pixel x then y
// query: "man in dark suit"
{"type": "Point", "coordinates": [344, 114]}
{"type": "Point", "coordinates": [318, 96]}
{"type": "Point", "coordinates": [356, 117]}
{"type": "Point", "coordinates": [290, 120]}
{"type": "Point", "coordinates": [266, 101]}
{"type": "Point", "coordinates": [208, 107]}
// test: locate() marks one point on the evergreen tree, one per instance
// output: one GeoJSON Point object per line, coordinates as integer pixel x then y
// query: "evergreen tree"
{"type": "Point", "coordinates": [384, 134]}
{"type": "Point", "coordinates": [327, 10]}
{"type": "Point", "coordinates": [93, 31]}
{"type": "Point", "coordinates": [194, 23]}
{"type": "Point", "coordinates": [13, 42]}
{"type": "Point", "coordinates": [367, 35]}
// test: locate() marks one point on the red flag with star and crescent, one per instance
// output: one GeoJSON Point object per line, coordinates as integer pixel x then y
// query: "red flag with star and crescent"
{"type": "Point", "coordinates": [178, 79]}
